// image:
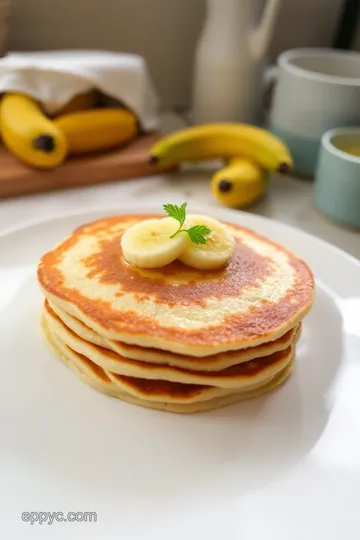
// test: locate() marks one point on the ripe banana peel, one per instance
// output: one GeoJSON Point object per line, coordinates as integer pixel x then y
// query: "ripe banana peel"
{"type": "Point", "coordinates": [81, 102]}
{"type": "Point", "coordinates": [239, 184]}
{"type": "Point", "coordinates": [97, 129]}
{"type": "Point", "coordinates": [223, 140]}
{"type": "Point", "coordinates": [29, 134]}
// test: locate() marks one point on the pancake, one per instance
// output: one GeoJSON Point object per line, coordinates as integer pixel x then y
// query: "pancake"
{"type": "Point", "coordinates": [215, 362]}
{"type": "Point", "coordinates": [262, 293]}
{"type": "Point", "coordinates": [98, 379]}
{"type": "Point", "coordinates": [151, 390]}
{"type": "Point", "coordinates": [244, 375]}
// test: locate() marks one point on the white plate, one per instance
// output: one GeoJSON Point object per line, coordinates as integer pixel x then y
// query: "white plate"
{"type": "Point", "coordinates": [282, 467]}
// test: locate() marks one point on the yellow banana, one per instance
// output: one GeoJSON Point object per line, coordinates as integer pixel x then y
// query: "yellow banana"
{"type": "Point", "coordinates": [150, 243]}
{"type": "Point", "coordinates": [81, 102]}
{"type": "Point", "coordinates": [97, 129]}
{"type": "Point", "coordinates": [211, 141]}
{"type": "Point", "coordinates": [239, 184]}
{"type": "Point", "coordinates": [29, 134]}
{"type": "Point", "coordinates": [216, 251]}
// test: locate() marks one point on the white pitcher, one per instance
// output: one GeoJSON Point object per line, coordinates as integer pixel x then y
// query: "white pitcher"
{"type": "Point", "coordinates": [229, 61]}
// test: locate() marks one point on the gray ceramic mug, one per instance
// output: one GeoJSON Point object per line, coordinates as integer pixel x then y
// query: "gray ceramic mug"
{"type": "Point", "coordinates": [317, 90]}
{"type": "Point", "coordinates": [337, 179]}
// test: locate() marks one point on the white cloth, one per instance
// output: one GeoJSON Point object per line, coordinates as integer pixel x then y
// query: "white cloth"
{"type": "Point", "coordinates": [54, 77]}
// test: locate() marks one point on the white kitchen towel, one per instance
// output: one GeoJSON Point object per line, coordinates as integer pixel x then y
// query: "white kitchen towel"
{"type": "Point", "coordinates": [54, 77]}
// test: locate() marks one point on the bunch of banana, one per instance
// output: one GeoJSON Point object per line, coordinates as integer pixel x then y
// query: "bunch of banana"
{"type": "Point", "coordinates": [213, 141]}
{"type": "Point", "coordinates": [251, 151]}
{"type": "Point", "coordinates": [45, 143]}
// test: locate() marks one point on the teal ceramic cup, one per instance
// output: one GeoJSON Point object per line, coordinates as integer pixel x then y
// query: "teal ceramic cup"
{"type": "Point", "coordinates": [337, 178]}
{"type": "Point", "coordinates": [316, 90]}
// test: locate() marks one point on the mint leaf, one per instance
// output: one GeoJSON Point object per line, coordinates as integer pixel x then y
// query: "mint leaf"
{"type": "Point", "coordinates": [198, 233]}
{"type": "Point", "coordinates": [176, 212]}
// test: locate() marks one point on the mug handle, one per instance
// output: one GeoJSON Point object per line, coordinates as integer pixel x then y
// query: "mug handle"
{"type": "Point", "coordinates": [270, 77]}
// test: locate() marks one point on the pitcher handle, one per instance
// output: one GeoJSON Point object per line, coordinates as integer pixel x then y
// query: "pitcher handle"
{"type": "Point", "coordinates": [260, 36]}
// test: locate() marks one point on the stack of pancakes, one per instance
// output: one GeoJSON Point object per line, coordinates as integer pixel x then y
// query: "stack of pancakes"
{"type": "Point", "coordinates": [174, 338]}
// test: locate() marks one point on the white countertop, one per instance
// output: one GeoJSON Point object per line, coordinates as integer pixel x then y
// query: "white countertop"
{"type": "Point", "coordinates": [289, 200]}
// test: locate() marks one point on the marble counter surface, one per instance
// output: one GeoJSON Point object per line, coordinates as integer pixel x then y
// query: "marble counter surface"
{"type": "Point", "coordinates": [289, 200]}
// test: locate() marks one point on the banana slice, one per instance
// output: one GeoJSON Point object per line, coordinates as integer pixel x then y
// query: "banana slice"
{"type": "Point", "coordinates": [147, 244]}
{"type": "Point", "coordinates": [219, 247]}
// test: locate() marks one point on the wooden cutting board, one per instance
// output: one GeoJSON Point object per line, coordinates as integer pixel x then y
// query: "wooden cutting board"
{"type": "Point", "coordinates": [16, 178]}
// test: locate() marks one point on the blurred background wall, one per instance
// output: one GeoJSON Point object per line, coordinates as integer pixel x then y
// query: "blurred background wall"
{"type": "Point", "coordinates": [164, 31]}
